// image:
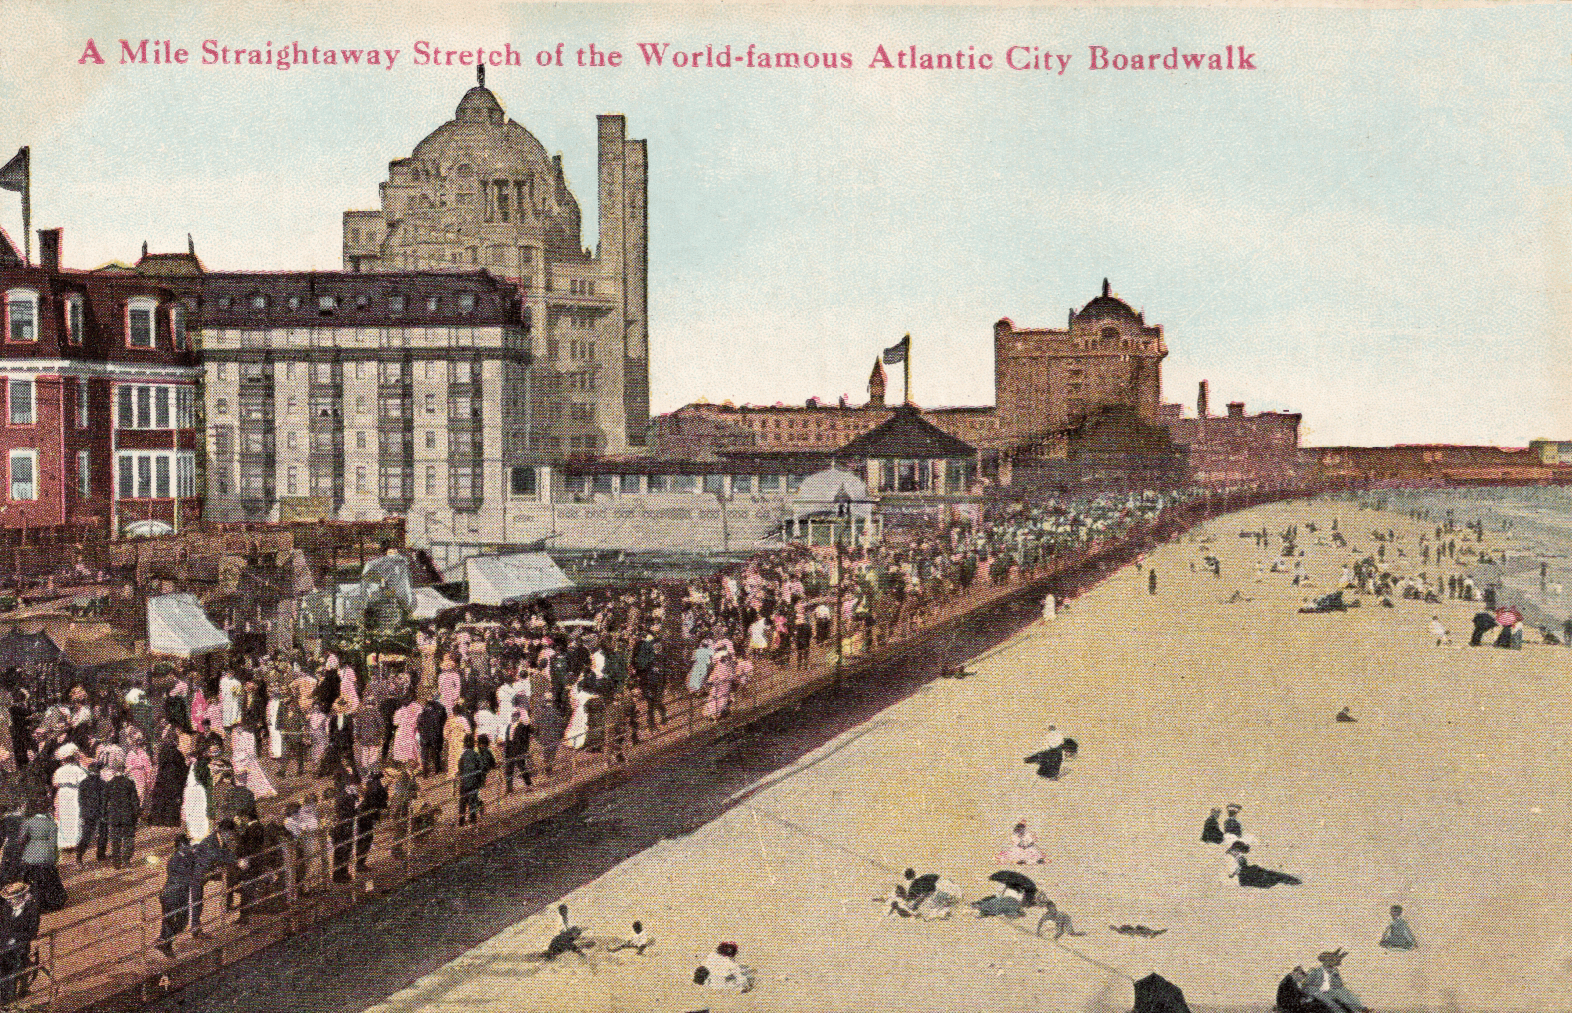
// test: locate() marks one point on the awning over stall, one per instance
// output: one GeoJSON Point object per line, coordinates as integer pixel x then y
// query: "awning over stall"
{"type": "Point", "coordinates": [429, 602]}
{"type": "Point", "coordinates": [494, 580]}
{"type": "Point", "coordinates": [177, 625]}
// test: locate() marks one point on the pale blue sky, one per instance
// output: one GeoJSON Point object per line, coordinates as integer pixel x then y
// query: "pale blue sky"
{"type": "Point", "coordinates": [1371, 229]}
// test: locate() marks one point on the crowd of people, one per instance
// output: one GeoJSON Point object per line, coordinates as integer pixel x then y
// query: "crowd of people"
{"type": "Point", "coordinates": [346, 743]}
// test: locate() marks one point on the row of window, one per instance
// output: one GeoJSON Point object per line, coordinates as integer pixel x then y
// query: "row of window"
{"type": "Point", "coordinates": [713, 485]}
{"type": "Point", "coordinates": [144, 406]}
{"type": "Point", "coordinates": [22, 317]}
{"type": "Point", "coordinates": [156, 474]}
{"type": "Point", "coordinates": [327, 304]}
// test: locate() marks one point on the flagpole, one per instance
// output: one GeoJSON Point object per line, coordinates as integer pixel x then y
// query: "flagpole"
{"type": "Point", "coordinates": [908, 369]}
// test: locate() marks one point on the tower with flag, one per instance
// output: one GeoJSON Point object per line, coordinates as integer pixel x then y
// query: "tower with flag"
{"type": "Point", "coordinates": [17, 175]}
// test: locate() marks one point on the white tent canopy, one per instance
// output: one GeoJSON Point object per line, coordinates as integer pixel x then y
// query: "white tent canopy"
{"type": "Point", "coordinates": [494, 580]}
{"type": "Point", "coordinates": [429, 602]}
{"type": "Point", "coordinates": [177, 625]}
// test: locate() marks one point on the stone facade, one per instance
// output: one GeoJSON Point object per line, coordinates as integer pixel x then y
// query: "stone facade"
{"type": "Point", "coordinates": [1047, 380]}
{"type": "Point", "coordinates": [1239, 449]}
{"type": "Point", "coordinates": [480, 192]}
{"type": "Point", "coordinates": [361, 397]}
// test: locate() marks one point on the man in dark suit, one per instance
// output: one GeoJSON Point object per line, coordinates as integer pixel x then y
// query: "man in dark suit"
{"type": "Point", "coordinates": [90, 806]}
{"type": "Point", "coordinates": [373, 803]}
{"type": "Point", "coordinates": [649, 677]}
{"type": "Point", "coordinates": [515, 748]}
{"type": "Point", "coordinates": [341, 743]}
{"type": "Point", "coordinates": [121, 806]}
{"type": "Point", "coordinates": [429, 728]}
{"type": "Point", "coordinates": [346, 806]}
{"type": "Point", "coordinates": [19, 916]}
{"type": "Point", "coordinates": [11, 849]}
{"type": "Point", "coordinates": [211, 856]}
{"type": "Point", "coordinates": [175, 898]}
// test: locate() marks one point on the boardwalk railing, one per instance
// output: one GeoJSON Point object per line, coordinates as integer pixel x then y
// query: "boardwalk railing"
{"type": "Point", "coordinates": [113, 955]}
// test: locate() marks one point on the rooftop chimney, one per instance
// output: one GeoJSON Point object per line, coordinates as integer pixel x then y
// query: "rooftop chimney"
{"type": "Point", "coordinates": [1236, 409]}
{"type": "Point", "coordinates": [49, 249]}
{"type": "Point", "coordinates": [1200, 402]}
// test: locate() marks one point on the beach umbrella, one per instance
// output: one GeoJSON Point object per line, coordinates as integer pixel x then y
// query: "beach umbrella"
{"type": "Point", "coordinates": [1017, 881]}
{"type": "Point", "coordinates": [1156, 994]}
{"type": "Point", "coordinates": [1508, 617]}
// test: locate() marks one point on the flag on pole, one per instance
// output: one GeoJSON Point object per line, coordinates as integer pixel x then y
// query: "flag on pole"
{"type": "Point", "coordinates": [896, 353]}
{"type": "Point", "coordinates": [17, 175]}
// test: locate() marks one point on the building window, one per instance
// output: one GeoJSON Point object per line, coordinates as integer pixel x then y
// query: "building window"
{"type": "Point", "coordinates": [73, 316]}
{"type": "Point", "coordinates": [431, 440]}
{"type": "Point", "coordinates": [144, 476]}
{"type": "Point", "coordinates": [221, 406]}
{"type": "Point", "coordinates": [431, 480]}
{"type": "Point", "coordinates": [395, 304]}
{"type": "Point", "coordinates": [19, 394]}
{"type": "Point", "coordinates": [360, 480]}
{"type": "Point", "coordinates": [741, 483]}
{"type": "Point", "coordinates": [127, 489]}
{"type": "Point", "coordinates": [522, 481]}
{"type": "Point", "coordinates": [258, 301]}
{"type": "Point", "coordinates": [161, 407]}
{"type": "Point", "coordinates": [466, 302]}
{"type": "Point", "coordinates": [630, 484]}
{"type": "Point", "coordinates": [185, 476]}
{"type": "Point", "coordinates": [21, 315]}
{"type": "Point", "coordinates": [289, 440]}
{"type": "Point", "coordinates": [657, 483]}
{"type": "Point", "coordinates": [84, 474]}
{"type": "Point", "coordinates": [185, 408]}
{"type": "Point", "coordinates": [325, 304]}
{"type": "Point", "coordinates": [684, 483]}
{"type": "Point", "coordinates": [81, 402]}
{"type": "Point", "coordinates": [769, 483]}
{"type": "Point", "coordinates": [715, 485]}
{"type": "Point", "coordinates": [360, 440]}
{"type": "Point", "coordinates": [144, 408]}
{"type": "Point", "coordinates": [161, 476]}
{"type": "Point", "coordinates": [139, 322]}
{"type": "Point", "coordinates": [24, 471]}
{"type": "Point", "coordinates": [432, 304]}
{"type": "Point", "coordinates": [292, 479]}
{"type": "Point", "coordinates": [431, 404]}
{"type": "Point", "coordinates": [177, 326]}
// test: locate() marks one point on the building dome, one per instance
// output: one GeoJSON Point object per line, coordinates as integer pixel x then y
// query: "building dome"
{"type": "Point", "coordinates": [479, 105]}
{"type": "Point", "coordinates": [1107, 306]}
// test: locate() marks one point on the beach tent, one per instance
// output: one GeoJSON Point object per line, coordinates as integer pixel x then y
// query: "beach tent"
{"type": "Point", "coordinates": [494, 580]}
{"type": "Point", "coordinates": [429, 602]}
{"type": "Point", "coordinates": [177, 625]}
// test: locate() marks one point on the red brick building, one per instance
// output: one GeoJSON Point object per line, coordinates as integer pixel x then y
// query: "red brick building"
{"type": "Point", "coordinates": [99, 427]}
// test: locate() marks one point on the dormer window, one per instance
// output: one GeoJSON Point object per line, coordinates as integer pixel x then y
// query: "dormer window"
{"type": "Point", "coordinates": [294, 302]}
{"type": "Point", "coordinates": [326, 304]}
{"type": "Point", "coordinates": [258, 301]}
{"type": "Point", "coordinates": [466, 302]}
{"type": "Point", "coordinates": [21, 315]}
{"type": "Point", "coordinates": [225, 302]}
{"type": "Point", "coordinates": [432, 302]}
{"type": "Point", "coordinates": [395, 304]}
{"type": "Point", "coordinates": [177, 326]}
{"type": "Point", "coordinates": [362, 301]}
{"type": "Point", "coordinates": [139, 322]}
{"type": "Point", "coordinates": [74, 315]}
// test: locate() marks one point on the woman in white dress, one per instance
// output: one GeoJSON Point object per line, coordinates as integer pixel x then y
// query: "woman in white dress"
{"type": "Point", "coordinates": [577, 732]}
{"type": "Point", "coordinates": [243, 754]}
{"type": "Point", "coordinates": [68, 776]}
{"type": "Point", "coordinates": [193, 808]}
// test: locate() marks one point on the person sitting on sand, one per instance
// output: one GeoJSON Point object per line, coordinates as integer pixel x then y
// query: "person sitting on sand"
{"type": "Point", "coordinates": [1050, 759]}
{"type": "Point", "coordinates": [928, 896]}
{"type": "Point", "coordinates": [1232, 824]}
{"type": "Point", "coordinates": [1062, 925]}
{"type": "Point", "coordinates": [721, 970]}
{"type": "Point", "coordinates": [1212, 831]}
{"type": "Point", "coordinates": [638, 942]}
{"type": "Point", "coordinates": [1439, 632]}
{"type": "Point", "coordinates": [567, 939]}
{"type": "Point", "coordinates": [1023, 849]}
{"type": "Point", "coordinates": [1238, 867]}
{"type": "Point", "coordinates": [1398, 936]}
{"type": "Point", "coordinates": [1325, 986]}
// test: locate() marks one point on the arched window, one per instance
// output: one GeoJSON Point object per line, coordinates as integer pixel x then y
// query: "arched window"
{"type": "Point", "coordinates": [21, 315]}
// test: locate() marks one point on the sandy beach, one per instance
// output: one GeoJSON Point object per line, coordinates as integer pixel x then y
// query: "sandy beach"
{"type": "Point", "coordinates": [1446, 796]}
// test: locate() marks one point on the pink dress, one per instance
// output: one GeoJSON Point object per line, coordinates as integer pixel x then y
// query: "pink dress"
{"type": "Point", "coordinates": [406, 744]}
{"type": "Point", "coordinates": [139, 768]}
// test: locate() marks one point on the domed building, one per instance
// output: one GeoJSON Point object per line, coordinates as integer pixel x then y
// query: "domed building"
{"type": "Point", "coordinates": [1047, 381]}
{"type": "Point", "coordinates": [480, 191]}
